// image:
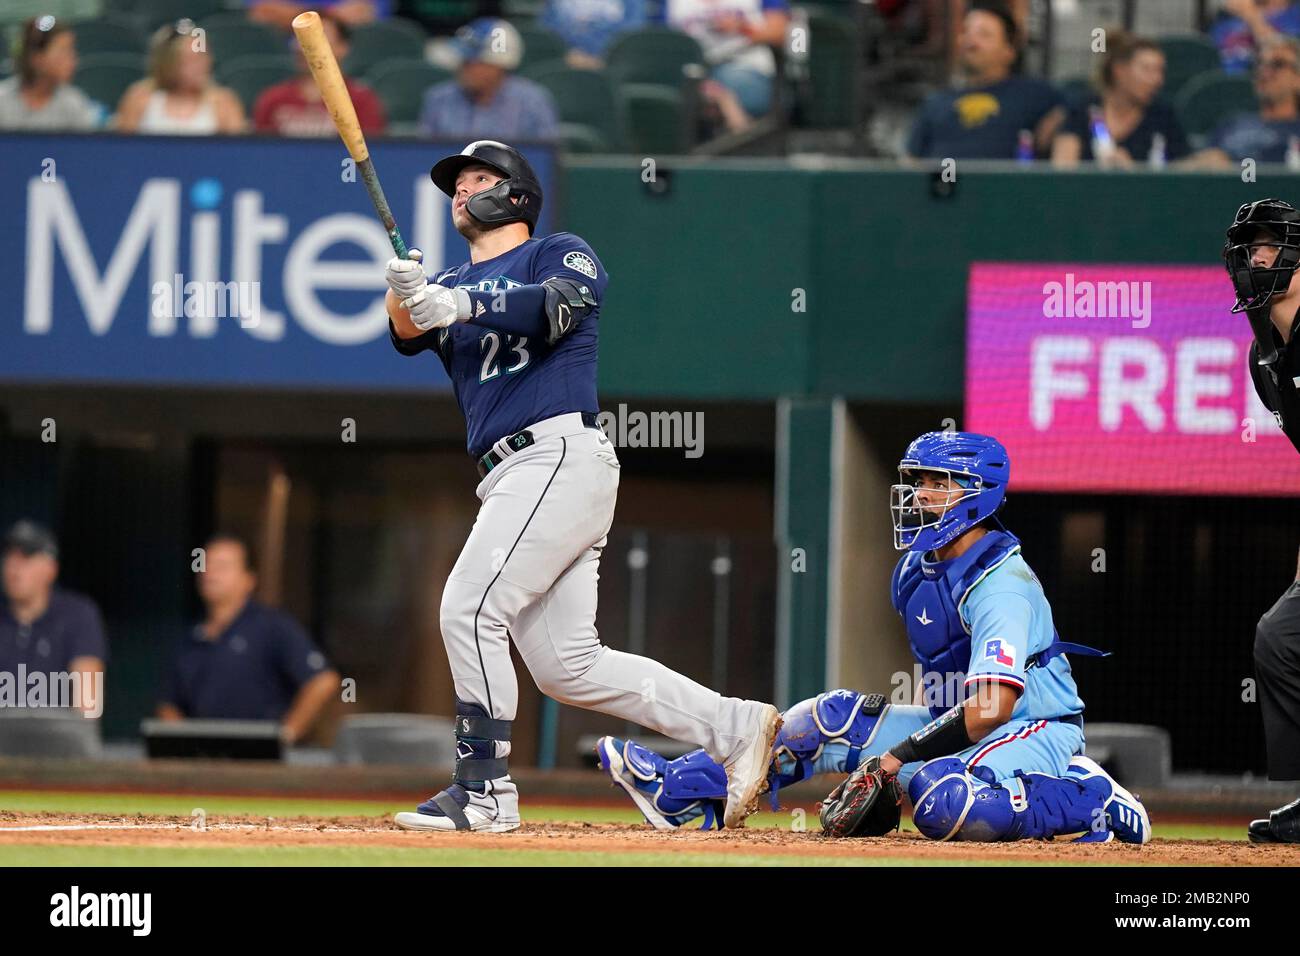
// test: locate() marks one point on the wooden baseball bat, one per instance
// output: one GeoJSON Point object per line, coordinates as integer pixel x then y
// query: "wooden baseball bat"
{"type": "Point", "coordinates": [329, 80]}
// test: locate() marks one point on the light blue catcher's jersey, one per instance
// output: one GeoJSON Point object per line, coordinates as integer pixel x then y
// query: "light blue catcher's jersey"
{"type": "Point", "coordinates": [1009, 621]}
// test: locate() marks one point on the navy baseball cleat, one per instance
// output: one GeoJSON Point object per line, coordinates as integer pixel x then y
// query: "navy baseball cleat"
{"type": "Point", "coordinates": [495, 810]}
{"type": "Point", "coordinates": [1125, 814]}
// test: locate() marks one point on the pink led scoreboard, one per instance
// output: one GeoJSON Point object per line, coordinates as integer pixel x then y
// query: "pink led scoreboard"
{"type": "Point", "coordinates": [1120, 378]}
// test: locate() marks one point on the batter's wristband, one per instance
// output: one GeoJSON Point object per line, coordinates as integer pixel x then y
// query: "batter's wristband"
{"type": "Point", "coordinates": [942, 737]}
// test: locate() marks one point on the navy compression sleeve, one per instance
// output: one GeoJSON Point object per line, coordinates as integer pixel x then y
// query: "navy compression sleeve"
{"type": "Point", "coordinates": [518, 311]}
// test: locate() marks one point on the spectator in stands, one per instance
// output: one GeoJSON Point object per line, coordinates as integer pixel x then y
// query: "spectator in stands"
{"type": "Point", "coordinates": [986, 117]}
{"type": "Point", "coordinates": [41, 96]}
{"type": "Point", "coordinates": [588, 27]}
{"type": "Point", "coordinates": [46, 629]}
{"type": "Point", "coordinates": [738, 38]}
{"type": "Point", "coordinates": [280, 13]}
{"type": "Point", "coordinates": [949, 13]}
{"type": "Point", "coordinates": [485, 101]}
{"type": "Point", "coordinates": [1245, 26]}
{"type": "Point", "coordinates": [245, 661]}
{"type": "Point", "coordinates": [178, 96]}
{"type": "Point", "coordinates": [295, 108]}
{"type": "Point", "coordinates": [1265, 136]}
{"type": "Point", "coordinates": [1126, 123]}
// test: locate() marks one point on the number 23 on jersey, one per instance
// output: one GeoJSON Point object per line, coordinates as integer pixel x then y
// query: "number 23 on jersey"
{"type": "Point", "coordinates": [512, 353]}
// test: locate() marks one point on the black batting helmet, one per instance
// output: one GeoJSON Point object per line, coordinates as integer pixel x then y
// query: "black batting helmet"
{"type": "Point", "coordinates": [1269, 222]}
{"type": "Point", "coordinates": [518, 198]}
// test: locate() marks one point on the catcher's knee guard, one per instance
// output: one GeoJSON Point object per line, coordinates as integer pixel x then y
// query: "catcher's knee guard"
{"type": "Point", "coordinates": [942, 795]}
{"type": "Point", "coordinates": [951, 803]}
{"type": "Point", "coordinates": [835, 717]}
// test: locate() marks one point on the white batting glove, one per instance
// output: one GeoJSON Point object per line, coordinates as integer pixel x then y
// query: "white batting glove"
{"type": "Point", "coordinates": [406, 276]}
{"type": "Point", "coordinates": [436, 307]}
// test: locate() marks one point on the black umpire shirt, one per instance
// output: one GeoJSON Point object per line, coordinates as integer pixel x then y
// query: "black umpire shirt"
{"type": "Point", "coordinates": [1278, 385]}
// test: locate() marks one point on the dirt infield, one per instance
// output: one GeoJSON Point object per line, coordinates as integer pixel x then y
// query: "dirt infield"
{"type": "Point", "coordinates": [46, 829]}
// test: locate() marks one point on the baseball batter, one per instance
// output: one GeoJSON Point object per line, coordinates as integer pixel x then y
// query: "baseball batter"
{"type": "Point", "coordinates": [516, 328]}
{"type": "Point", "coordinates": [995, 751]}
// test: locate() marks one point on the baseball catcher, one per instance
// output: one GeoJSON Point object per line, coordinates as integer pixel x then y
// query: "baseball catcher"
{"type": "Point", "coordinates": [993, 750]}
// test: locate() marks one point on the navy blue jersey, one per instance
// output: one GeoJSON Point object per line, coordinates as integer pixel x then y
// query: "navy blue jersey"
{"type": "Point", "coordinates": [504, 381]}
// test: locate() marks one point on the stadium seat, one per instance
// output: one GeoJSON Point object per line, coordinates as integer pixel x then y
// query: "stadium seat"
{"type": "Point", "coordinates": [519, 11]}
{"type": "Point", "coordinates": [13, 13]}
{"type": "Point", "coordinates": [228, 40]}
{"type": "Point", "coordinates": [656, 118]}
{"type": "Point", "coordinates": [540, 45]}
{"type": "Point", "coordinates": [249, 75]}
{"type": "Point", "coordinates": [104, 77]}
{"type": "Point", "coordinates": [48, 733]}
{"type": "Point", "coordinates": [110, 33]}
{"type": "Point", "coordinates": [585, 97]}
{"type": "Point", "coordinates": [226, 18]}
{"type": "Point", "coordinates": [580, 138]}
{"type": "Point", "coordinates": [1185, 57]}
{"type": "Point", "coordinates": [1136, 754]}
{"type": "Point", "coordinates": [1211, 98]}
{"type": "Point", "coordinates": [154, 13]}
{"type": "Point", "coordinates": [380, 42]}
{"type": "Point", "coordinates": [409, 739]}
{"type": "Point", "coordinates": [654, 55]}
{"type": "Point", "coordinates": [401, 84]}
{"type": "Point", "coordinates": [833, 73]}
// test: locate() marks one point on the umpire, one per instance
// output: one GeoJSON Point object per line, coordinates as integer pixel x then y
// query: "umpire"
{"type": "Point", "coordinates": [1262, 254]}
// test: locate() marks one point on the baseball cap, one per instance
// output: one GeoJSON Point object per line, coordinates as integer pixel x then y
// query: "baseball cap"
{"type": "Point", "coordinates": [31, 538]}
{"type": "Point", "coordinates": [489, 40]}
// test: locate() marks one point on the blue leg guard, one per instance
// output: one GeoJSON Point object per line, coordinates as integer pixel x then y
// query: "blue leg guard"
{"type": "Point", "coordinates": [824, 734]}
{"type": "Point", "coordinates": [669, 793]}
{"type": "Point", "coordinates": [949, 803]}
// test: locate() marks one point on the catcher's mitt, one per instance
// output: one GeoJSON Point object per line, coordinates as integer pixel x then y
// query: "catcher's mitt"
{"type": "Point", "coordinates": [866, 804]}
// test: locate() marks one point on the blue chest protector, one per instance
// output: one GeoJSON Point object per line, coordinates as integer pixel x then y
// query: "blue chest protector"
{"type": "Point", "coordinates": [929, 598]}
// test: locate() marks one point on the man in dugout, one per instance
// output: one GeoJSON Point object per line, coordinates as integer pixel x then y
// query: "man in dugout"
{"type": "Point", "coordinates": [245, 660]}
{"type": "Point", "coordinates": [1261, 255]}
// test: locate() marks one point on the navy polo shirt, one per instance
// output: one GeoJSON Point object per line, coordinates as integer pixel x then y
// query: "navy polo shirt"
{"type": "Point", "coordinates": [71, 627]}
{"type": "Point", "coordinates": [982, 122]}
{"type": "Point", "coordinates": [251, 671]}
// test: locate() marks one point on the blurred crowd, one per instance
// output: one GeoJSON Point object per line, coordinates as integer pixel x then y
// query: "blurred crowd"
{"type": "Point", "coordinates": [241, 661]}
{"type": "Point", "coordinates": [215, 72]}
{"type": "Point", "coordinates": [461, 69]}
{"type": "Point", "coordinates": [1124, 115]}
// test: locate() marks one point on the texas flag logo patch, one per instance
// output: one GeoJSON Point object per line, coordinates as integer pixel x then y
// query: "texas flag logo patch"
{"type": "Point", "coordinates": [1000, 653]}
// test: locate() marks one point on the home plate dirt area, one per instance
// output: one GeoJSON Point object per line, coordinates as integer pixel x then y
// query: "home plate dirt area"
{"type": "Point", "coordinates": [33, 830]}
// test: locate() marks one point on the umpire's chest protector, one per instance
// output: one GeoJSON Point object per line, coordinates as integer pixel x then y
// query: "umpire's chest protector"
{"type": "Point", "coordinates": [930, 596]}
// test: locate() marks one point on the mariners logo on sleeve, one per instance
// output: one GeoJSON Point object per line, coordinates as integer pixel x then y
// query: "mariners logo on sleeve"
{"type": "Point", "coordinates": [581, 262]}
{"type": "Point", "coordinates": [1000, 652]}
